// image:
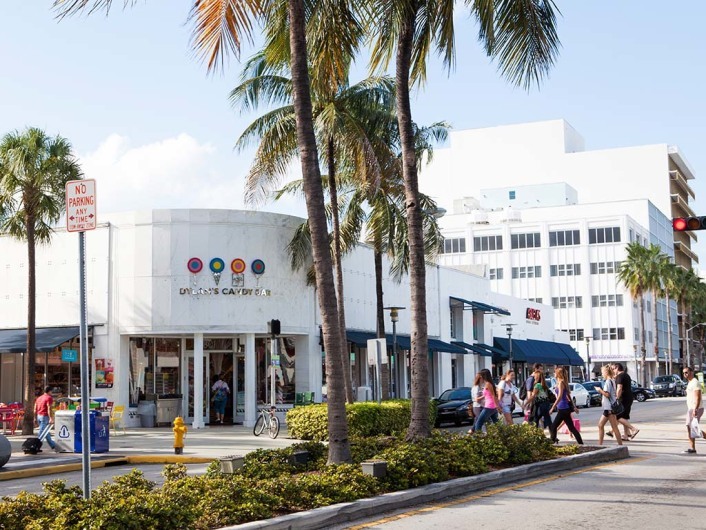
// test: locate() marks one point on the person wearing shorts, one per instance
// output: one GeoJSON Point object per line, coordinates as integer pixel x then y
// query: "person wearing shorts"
{"type": "Point", "coordinates": [694, 406]}
{"type": "Point", "coordinates": [623, 391]}
{"type": "Point", "coordinates": [609, 396]}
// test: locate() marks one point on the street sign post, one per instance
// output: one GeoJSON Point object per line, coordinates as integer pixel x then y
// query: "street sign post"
{"type": "Point", "coordinates": [81, 216]}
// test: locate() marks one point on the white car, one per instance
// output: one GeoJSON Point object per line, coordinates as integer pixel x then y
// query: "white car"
{"type": "Point", "coordinates": [580, 395]}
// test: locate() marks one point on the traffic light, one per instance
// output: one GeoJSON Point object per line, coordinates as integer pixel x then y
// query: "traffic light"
{"type": "Point", "coordinates": [275, 327]}
{"type": "Point", "coordinates": [684, 224]}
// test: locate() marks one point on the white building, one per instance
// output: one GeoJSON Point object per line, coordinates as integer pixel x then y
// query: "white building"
{"type": "Point", "coordinates": [546, 221]}
{"type": "Point", "coordinates": [177, 297]}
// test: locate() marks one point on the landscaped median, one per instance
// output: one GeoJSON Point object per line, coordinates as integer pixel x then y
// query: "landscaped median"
{"type": "Point", "coordinates": [272, 485]}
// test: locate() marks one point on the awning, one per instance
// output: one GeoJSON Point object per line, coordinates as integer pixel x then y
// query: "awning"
{"type": "Point", "coordinates": [47, 339]}
{"type": "Point", "coordinates": [518, 351]}
{"type": "Point", "coordinates": [542, 351]}
{"type": "Point", "coordinates": [440, 345]}
{"type": "Point", "coordinates": [360, 338]}
{"type": "Point", "coordinates": [475, 348]}
{"type": "Point", "coordinates": [574, 358]}
{"type": "Point", "coordinates": [480, 306]}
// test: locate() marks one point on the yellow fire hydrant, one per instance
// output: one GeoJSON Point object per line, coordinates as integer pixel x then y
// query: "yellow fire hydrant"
{"type": "Point", "coordinates": [179, 435]}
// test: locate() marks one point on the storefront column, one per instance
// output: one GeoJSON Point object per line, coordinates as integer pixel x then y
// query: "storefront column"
{"type": "Point", "coordinates": [198, 382]}
{"type": "Point", "coordinates": [250, 381]}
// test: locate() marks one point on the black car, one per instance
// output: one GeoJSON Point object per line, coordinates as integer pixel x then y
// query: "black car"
{"type": "Point", "coordinates": [642, 394]}
{"type": "Point", "coordinates": [452, 406]}
{"type": "Point", "coordinates": [668, 385]}
{"type": "Point", "coordinates": [591, 386]}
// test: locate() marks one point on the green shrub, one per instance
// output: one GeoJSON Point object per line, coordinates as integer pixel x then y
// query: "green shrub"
{"type": "Point", "coordinates": [414, 464]}
{"type": "Point", "coordinates": [566, 450]}
{"type": "Point", "coordinates": [367, 448]}
{"type": "Point", "coordinates": [524, 443]}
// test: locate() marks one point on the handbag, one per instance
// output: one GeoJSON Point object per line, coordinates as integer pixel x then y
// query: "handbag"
{"type": "Point", "coordinates": [617, 407]}
{"type": "Point", "coordinates": [695, 429]}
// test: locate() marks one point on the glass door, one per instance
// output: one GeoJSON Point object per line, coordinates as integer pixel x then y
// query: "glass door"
{"type": "Point", "coordinates": [239, 385]}
{"type": "Point", "coordinates": [190, 386]}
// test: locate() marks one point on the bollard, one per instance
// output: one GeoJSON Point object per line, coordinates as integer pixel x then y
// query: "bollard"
{"type": "Point", "coordinates": [179, 435]}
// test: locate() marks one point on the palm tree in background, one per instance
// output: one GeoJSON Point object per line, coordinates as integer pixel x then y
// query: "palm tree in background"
{"type": "Point", "coordinates": [688, 285]}
{"type": "Point", "coordinates": [668, 289]}
{"type": "Point", "coordinates": [34, 170]}
{"type": "Point", "coordinates": [220, 26]}
{"type": "Point", "coordinates": [633, 274]}
{"type": "Point", "coordinates": [521, 36]}
{"type": "Point", "coordinates": [655, 263]}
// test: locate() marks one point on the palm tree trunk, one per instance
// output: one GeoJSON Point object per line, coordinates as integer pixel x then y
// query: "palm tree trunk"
{"type": "Point", "coordinates": [670, 355]}
{"type": "Point", "coordinates": [339, 444]}
{"type": "Point", "coordinates": [419, 425]}
{"type": "Point", "coordinates": [30, 354]}
{"type": "Point", "coordinates": [333, 192]}
{"type": "Point", "coordinates": [643, 340]}
{"type": "Point", "coordinates": [656, 337]}
{"type": "Point", "coordinates": [380, 312]}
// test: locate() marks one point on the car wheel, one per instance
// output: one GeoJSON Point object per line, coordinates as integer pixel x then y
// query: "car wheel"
{"type": "Point", "coordinates": [588, 402]}
{"type": "Point", "coordinates": [640, 397]}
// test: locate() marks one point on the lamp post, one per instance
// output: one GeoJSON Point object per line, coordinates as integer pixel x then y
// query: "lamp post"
{"type": "Point", "coordinates": [508, 327]}
{"type": "Point", "coordinates": [688, 354]}
{"type": "Point", "coordinates": [394, 317]}
{"type": "Point", "coordinates": [588, 360]}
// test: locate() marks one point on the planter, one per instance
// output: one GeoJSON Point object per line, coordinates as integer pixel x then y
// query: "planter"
{"type": "Point", "coordinates": [230, 463]}
{"type": "Point", "coordinates": [299, 458]}
{"type": "Point", "coordinates": [376, 468]}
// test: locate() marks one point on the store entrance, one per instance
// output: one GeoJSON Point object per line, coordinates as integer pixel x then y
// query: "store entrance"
{"type": "Point", "coordinates": [221, 364]}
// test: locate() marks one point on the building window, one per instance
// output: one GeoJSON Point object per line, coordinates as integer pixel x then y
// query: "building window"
{"type": "Point", "coordinates": [574, 334]}
{"type": "Point", "coordinates": [537, 300]}
{"type": "Point", "coordinates": [563, 238]}
{"type": "Point", "coordinates": [512, 195]}
{"type": "Point", "coordinates": [486, 243]}
{"type": "Point", "coordinates": [607, 300]}
{"type": "Point", "coordinates": [649, 337]}
{"type": "Point", "coordinates": [610, 234]}
{"type": "Point", "coordinates": [531, 240]}
{"type": "Point", "coordinates": [565, 302]}
{"type": "Point", "coordinates": [527, 272]}
{"type": "Point", "coordinates": [605, 267]}
{"type": "Point", "coordinates": [454, 245]}
{"type": "Point", "coordinates": [648, 305]}
{"type": "Point", "coordinates": [452, 326]}
{"type": "Point", "coordinates": [608, 333]}
{"type": "Point", "coordinates": [495, 274]}
{"type": "Point", "coordinates": [569, 269]}
{"type": "Point", "coordinates": [636, 334]}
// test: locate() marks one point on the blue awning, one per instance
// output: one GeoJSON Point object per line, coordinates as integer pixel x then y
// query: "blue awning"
{"type": "Point", "coordinates": [542, 351]}
{"type": "Point", "coordinates": [518, 350]}
{"type": "Point", "coordinates": [360, 338]}
{"type": "Point", "coordinates": [475, 348]}
{"type": "Point", "coordinates": [574, 358]}
{"type": "Point", "coordinates": [441, 346]}
{"type": "Point", "coordinates": [480, 306]}
{"type": "Point", "coordinates": [47, 339]}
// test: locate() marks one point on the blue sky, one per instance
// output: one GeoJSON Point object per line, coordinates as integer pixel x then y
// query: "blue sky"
{"type": "Point", "coordinates": [157, 131]}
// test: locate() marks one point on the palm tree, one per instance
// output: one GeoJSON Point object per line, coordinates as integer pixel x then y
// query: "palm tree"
{"type": "Point", "coordinates": [522, 37]}
{"type": "Point", "coordinates": [655, 262]}
{"type": "Point", "coordinates": [688, 285]}
{"type": "Point", "coordinates": [34, 170]}
{"type": "Point", "coordinates": [669, 287]}
{"type": "Point", "coordinates": [219, 28]}
{"type": "Point", "coordinates": [633, 274]}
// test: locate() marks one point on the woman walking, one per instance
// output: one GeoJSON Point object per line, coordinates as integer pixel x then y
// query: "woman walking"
{"type": "Point", "coordinates": [564, 405]}
{"type": "Point", "coordinates": [491, 407]}
{"type": "Point", "coordinates": [609, 397]}
{"type": "Point", "coordinates": [540, 401]}
{"type": "Point", "coordinates": [507, 393]}
{"type": "Point", "coordinates": [477, 398]}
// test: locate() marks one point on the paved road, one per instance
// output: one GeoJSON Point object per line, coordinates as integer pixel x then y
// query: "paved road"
{"type": "Point", "coordinates": [658, 488]}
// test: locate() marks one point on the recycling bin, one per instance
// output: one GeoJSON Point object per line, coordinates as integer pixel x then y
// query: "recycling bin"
{"type": "Point", "coordinates": [69, 436]}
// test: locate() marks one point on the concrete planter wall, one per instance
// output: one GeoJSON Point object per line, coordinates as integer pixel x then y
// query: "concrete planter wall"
{"type": "Point", "coordinates": [230, 463]}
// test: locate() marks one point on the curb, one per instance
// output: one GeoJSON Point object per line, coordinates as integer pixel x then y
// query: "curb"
{"type": "Point", "coordinates": [116, 461]}
{"type": "Point", "coordinates": [328, 516]}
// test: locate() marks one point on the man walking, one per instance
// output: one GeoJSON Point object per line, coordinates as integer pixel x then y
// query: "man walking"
{"type": "Point", "coordinates": [694, 406]}
{"type": "Point", "coordinates": [42, 411]}
{"type": "Point", "coordinates": [624, 393]}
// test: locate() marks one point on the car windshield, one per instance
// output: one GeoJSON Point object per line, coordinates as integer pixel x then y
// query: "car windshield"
{"type": "Point", "coordinates": [663, 379]}
{"type": "Point", "coordinates": [455, 394]}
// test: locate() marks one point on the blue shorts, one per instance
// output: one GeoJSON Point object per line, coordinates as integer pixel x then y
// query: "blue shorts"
{"type": "Point", "coordinates": [507, 409]}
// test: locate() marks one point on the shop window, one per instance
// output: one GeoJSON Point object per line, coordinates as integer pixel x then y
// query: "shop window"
{"type": "Point", "coordinates": [283, 368]}
{"type": "Point", "coordinates": [155, 365]}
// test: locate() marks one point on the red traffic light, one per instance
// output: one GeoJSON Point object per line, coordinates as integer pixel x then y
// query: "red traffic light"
{"type": "Point", "coordinates": [682, 224]}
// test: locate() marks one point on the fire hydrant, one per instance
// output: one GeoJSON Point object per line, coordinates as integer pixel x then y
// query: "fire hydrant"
{"type": "Point", "coordinates": [179, 435]}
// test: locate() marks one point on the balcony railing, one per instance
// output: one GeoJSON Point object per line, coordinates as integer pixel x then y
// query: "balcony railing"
{"type": "Point", "coordinates": [679, 201]}
{"type": "Point", "coordinates": [677, 177]}
{"type": "Point", "coordinates": [681, 247]}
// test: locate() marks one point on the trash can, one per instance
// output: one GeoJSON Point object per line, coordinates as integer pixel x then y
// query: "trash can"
{"type": "Point", "coordinates": [147, 411]}
{"type": "Point", "coordinates": [98, 432]}
{"type": "Point", "coordinates": [65, 430]}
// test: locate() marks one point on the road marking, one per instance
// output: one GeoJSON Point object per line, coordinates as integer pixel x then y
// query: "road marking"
{"type": "Point", "coordinates": [490, 493]}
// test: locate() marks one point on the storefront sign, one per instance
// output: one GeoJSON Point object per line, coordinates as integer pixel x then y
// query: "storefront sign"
{"type": "Point", "coordinates": [104, 373]}
{"type": "Point", "coordinates": [533, 315]}
{"type": "Point", "coordinates": [224, 291]}
{"type": "Point", "coordinates": [237, 281]}
{"type": "Point", "coordinates": [69, 356]}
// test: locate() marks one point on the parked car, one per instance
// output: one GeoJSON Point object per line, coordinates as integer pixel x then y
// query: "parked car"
{"type": "Point", "coordinates": [590, 387]}
{"type": "Point", "coordinates": [580, 395]}
{"type": "Point", "coordinates": [668, 385]}
{"type": "Point", "coordinates": [452, 406]}
{"type": "Point", "coordinates": [642, 394]}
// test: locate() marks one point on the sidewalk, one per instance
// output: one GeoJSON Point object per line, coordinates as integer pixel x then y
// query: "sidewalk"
{"type": "Point", "coordinates": [153, 446]}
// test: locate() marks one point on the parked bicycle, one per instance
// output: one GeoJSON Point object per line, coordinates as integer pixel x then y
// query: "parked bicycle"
{"type": "Point", "coordinates": [267, 420]}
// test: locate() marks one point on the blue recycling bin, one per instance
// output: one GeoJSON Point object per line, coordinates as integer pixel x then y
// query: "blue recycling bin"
{"type": "Point", "coordinates": [99, 432]}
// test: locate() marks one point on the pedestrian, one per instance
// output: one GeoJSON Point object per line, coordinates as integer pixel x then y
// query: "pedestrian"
{"type": "Point", "coordinates": [507, 395]}
{"type": "Point", "coordinates": [539, 401]}
{"type": "Point", "coordinates": [476, 398]}
{"type": "Point", "coordinates": [221, 390]}
{"type": "Point", "coordinates": [694, 409]}
{"type": "Point", "coordinates": [564, 406]}
{"type": "Point", "coordinates": [623, 391]}
{"type": "Point", "coordinates": [609, 397]}
{"type": "Point", "coordinates": [42, 414]}
{"type": "Point", "coordinates": [528, 387]}
{"type": "Point", "coordinates": [491, 406]}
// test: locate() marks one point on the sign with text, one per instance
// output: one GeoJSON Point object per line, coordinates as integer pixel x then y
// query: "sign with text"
{"type": "Point", "coordinates": [80, 205]}
{"type": "Point", "coordinates": [69, 356]}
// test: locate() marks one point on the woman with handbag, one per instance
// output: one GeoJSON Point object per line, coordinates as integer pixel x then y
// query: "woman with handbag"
{"type": "Point", "coordinates": [491, 405]}
{"type": "Point", "coordinates": [611, 405]}
{"type": "Point", "coordinates": [476, 399]}
{"type": "Point", "coordinates": [539, 401]}
{"type": "Point", "coordinates": [507, 395]}
{"type": "Point", "coordinates": [564, 406]}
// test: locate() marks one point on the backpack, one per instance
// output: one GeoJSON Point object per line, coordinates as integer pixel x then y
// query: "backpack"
{"type": "Point", "coordinates": [523, 389]}
{"type": "Point", "coordinates": [32, 446]}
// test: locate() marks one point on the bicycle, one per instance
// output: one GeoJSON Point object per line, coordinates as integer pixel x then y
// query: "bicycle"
{"type": "Point", "coordinates": [267, 419]}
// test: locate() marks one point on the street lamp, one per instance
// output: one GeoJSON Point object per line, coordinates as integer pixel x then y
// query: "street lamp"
{"type": "Point", "coordinates": [588, 360]}
{"type": "Point", "coordinates": [688, 354]}
{"type": "Point", "coordinates": [509, 338]}
{"type": "Point", "coordinates": [394, 317]}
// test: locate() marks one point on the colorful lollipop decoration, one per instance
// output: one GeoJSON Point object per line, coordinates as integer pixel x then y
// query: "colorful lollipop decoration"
{"type": "Point", "coordinates": [217, 265]}
{"type": "Point", "coordinates": [194, 265]}
{"type": "Point", "coordinates": [258, 268]}
{"type": "Point", "coordinates": [238, 268]}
